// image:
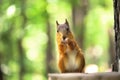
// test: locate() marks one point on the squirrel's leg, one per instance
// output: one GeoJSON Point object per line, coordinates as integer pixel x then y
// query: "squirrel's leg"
{"type": "Point", "coordinates": [61, 64]}
{"type": "Point", "coordinates": [80, 59]}
{"type": "Point", "coordinates": [62, 48]}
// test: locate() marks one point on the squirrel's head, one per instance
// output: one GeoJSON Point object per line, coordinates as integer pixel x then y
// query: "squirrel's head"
{"type": "Point", "coordinates": [63, 29]}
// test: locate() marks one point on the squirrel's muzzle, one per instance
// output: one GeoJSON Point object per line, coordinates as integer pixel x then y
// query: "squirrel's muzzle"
{"type": "Point", "coordinates": [64, 37]}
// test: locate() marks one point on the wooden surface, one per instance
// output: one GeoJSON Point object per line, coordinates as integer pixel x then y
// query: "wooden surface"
{"type": "Point", "coordinates": [85, 76]}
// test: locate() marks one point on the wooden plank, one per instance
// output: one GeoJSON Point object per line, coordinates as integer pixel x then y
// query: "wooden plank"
{"type": "Point", "coordinates": [85, 76]}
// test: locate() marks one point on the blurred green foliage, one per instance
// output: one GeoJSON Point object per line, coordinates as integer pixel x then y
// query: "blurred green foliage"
{"type": "Point", "coordinates": [27, 21]}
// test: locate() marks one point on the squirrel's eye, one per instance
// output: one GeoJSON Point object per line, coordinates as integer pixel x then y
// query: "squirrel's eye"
{"type": "Point", "coordinates": [57, 31]}
{"type": "Point", "coordinates": [67, 29]}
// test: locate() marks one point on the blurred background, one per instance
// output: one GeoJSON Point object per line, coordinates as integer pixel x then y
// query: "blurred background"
{"type": "Point", "coordinates": [27, 35]}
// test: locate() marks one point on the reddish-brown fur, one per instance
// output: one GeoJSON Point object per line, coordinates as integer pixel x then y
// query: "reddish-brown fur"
{"type": "Point", "coordinates": [71, 58]}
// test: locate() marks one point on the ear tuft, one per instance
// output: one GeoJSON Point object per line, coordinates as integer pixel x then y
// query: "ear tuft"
{"type": "Point", "coordinates": [66, 22]}
{"type": "Point", "coordinates": [57, 23]}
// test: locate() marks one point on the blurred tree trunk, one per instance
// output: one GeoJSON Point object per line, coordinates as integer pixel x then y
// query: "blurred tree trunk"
{"type": "Point", "coordinates": [20, 47]}
{"type": "Point", "coordinates": [1, 73]}
{"type": "Point", "coordinates": [117, 34]}
{"type": "Point", "coordinates": [79, 12]}
{"type": "Point", "coordinates": [21, 59]}
{"type": "Point", "coordinates": [49, 49]}
{"type": "Point", "coordinates": [111, 48]}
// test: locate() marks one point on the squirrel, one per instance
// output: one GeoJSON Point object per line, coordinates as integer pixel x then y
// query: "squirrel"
{"type": "Point", "coordinates": [71, 58]}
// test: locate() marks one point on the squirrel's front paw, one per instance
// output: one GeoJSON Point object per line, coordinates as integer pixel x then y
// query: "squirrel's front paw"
{"type": "Point", "coordinates": [65, 41]}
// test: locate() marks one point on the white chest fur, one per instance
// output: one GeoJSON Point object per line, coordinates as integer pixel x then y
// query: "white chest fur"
{"type": "Point", "coordinates": [71, 61]}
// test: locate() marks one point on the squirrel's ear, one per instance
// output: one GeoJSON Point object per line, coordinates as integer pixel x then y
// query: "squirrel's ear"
{"type": "Point", "coordinates": [66, 22]}
{"type": "Point", "coordinates": [57, 23]}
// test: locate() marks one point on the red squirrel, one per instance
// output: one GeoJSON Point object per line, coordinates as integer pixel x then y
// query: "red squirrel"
{"type": "Point", "coordinates": [71, 58]}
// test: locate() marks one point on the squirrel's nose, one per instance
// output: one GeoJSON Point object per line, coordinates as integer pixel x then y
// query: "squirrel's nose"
{"type": "Point", "coordinates": [64, 37]}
